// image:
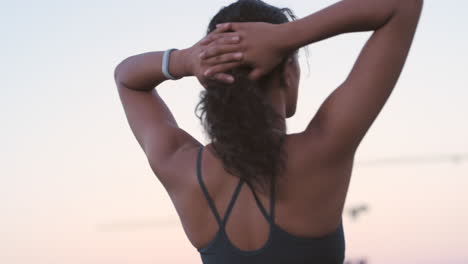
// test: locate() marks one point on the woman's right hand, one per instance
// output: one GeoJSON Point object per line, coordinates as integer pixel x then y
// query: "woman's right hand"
{"type": "Point", "coordinates": [261, 44]}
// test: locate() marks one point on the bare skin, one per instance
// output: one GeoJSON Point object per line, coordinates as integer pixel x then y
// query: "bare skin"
{"type": "Point", "coordinates": [313, 190]}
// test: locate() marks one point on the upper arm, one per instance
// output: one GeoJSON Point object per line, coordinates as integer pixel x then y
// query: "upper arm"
{"type": "Point", "coordinates": [345, 116]}
{"type": "Point", "coordinates": [157, 132]}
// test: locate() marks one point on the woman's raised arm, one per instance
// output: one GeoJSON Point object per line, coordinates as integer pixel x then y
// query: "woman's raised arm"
{"type": "Point", "coordinates": [349, 111]}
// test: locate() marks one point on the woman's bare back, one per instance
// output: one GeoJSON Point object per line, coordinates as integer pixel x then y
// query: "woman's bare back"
{"type": "Point", "coordinates": [309, 198]}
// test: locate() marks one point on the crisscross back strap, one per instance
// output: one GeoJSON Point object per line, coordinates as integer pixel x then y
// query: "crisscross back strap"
{"type": "Point", "coordinates": [220, 221]}
{"type": "Point", "coordinates": [233, 200]}
{"type": "Point", "coordinates": [203, 187]}
{"type": "Point", "coordinates": [271, 217]}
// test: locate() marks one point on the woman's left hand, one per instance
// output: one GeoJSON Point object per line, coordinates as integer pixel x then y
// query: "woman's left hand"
{"type": "Point", "coordinates": [231, 56]}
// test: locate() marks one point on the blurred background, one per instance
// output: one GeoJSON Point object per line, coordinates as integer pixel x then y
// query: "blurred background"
{"type": "Point", "coordinates": [75, 187]}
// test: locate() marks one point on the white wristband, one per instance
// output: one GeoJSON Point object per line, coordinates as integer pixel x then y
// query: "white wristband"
{"type": "Point", "coordinates": [165, 64]}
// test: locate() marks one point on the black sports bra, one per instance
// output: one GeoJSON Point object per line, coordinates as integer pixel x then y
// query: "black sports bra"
{"type": "Point", "coordinates": [281, 246]}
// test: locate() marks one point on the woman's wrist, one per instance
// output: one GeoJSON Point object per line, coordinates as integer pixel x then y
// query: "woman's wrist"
{"type": "Point", "coordinates": [285, 38]}
{"type": "Point", "coordinates": [180, 64]}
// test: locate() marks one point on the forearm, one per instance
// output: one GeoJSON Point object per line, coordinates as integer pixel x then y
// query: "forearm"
{"type": "Point", "coordinates": [144, 71]}
{"type": "Point", "coordinates": [342, 17]}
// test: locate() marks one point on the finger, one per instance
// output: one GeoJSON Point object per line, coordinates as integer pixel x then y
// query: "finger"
{"type": "Point", "coordinates": [224, 77]}
{"type": "Point", "coordinates": [223, 27]}
{"type": "Point", "coordinates": [234, 26]}
{"type": "Point", "coordinates": [216, 50]}
{"type": "Point", "coordinates": [222, 38]}
{"type": "Point", "coordinates": [233, 39]}
{"type": "Point", "coordinates": [207, 40]}
{"type": "Point", "coordinates": [226, 37]}
{"type": "Point", "coordinates": [220, 68]}
{"type": "Point", "coordinates": [255, 74]}
{"type": "Point", "coordinates": [219, 29]}
{"type": "Point", "coordinates": [228, 57]}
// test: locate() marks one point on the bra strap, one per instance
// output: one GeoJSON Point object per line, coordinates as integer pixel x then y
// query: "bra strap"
{"type": "Point", "coordinates": [270, 218]}
{"type": "Point", "coordinates": [231, 203]}
{"type": "Point", "coordinates": [272, 200]}
{"type": "Point", "coordinates": [205, 191]}
{"type": "Point", "coordinates": [220, 221]}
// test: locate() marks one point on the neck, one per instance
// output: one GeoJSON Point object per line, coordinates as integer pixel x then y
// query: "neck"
{"type": "Point", "coordinates": [277, 98]}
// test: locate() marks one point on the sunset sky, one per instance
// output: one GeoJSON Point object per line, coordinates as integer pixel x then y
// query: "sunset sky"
{"type": "Point", "coordinates": [76, 187]}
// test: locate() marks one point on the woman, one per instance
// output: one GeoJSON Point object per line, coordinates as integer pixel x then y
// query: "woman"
{"type": "Point", "coordinates": [291, 209]}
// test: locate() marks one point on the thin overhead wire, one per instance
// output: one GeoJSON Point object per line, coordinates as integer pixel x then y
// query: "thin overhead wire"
{"type": "Point", "coordinates": [455, 158]}
{"type": "Point", "coordinates": [132, 225]}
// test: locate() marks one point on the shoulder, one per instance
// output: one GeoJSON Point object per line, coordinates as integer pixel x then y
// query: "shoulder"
{"type": "Point", "coordinates": [311, 159]}
{"type": "Point", "coordinates": [315, 147]}
{"type": "Point", "coordinates": [179, 173]}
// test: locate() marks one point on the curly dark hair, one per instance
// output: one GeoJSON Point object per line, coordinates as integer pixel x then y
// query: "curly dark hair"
{"type": "Point", "coordinates": [247, 134]}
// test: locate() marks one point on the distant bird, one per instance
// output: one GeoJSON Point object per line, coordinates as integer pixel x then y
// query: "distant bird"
{"type": "Point", "coordinates": [357, 210]}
